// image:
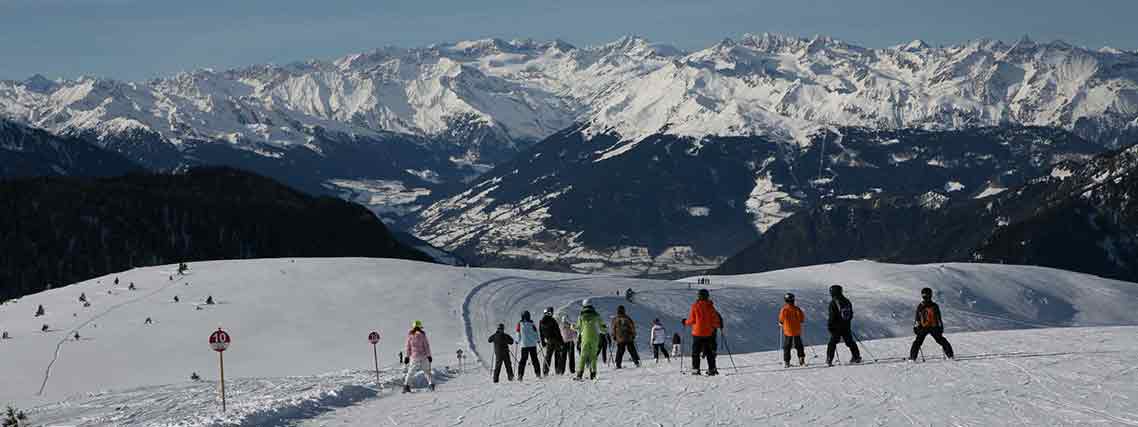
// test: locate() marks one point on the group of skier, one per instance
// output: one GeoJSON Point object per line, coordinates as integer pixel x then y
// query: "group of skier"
{"type": "Point", "coordinates": [588, 339]}
{"type": "Point", "coordinates": [588, 336]}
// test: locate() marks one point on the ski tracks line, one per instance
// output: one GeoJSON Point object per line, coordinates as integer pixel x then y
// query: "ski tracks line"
{"type": "Point", "coordinates": [467, 314]}
{"type": "Point", "coordinates": [59, 345]}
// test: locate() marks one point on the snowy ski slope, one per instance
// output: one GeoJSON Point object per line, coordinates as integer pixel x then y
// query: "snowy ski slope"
{"type": "Point", "coordinates": [299, 350]}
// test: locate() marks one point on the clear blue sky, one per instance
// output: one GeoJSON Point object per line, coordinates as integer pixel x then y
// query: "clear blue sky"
{"type": "Point", "coordinates": [138, 39]}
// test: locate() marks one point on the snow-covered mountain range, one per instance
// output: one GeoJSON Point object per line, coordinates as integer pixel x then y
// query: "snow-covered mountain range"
{"type": "Point", "coordinates": [403, 129]}
{"type": "Point", "coordinates": [521, 91]}
{"type": "Point", "coordinates": [472, 104]}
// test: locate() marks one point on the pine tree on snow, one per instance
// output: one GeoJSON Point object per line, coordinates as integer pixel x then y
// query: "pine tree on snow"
{"type": "Point", "coordinates": [13, 418]}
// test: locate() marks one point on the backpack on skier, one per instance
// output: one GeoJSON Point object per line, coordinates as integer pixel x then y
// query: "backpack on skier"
{"type": "Point", "coordinates": [928, 317]}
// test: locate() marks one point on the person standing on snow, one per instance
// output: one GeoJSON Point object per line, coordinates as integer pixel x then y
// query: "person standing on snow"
{"type": "Point", "coordinates": [417, 356]}
{"type": "Point", "coordinates": [550, 333]}
{"type": "Point", "coordinates": [624, 333]}
{"type": "Point", "coordinates": [569, 335]}
{"type": "Point", "coordinates": [704, 320]}
{"type": "Point", "coordinates": [658, 337]}
{"type": "Point", "coordinates": [791, 319]}
{"type": "Point", "coordinates": [502, 343]}
{"type": "Point", "coordinates": [605, 342]}
{"type": "Point", "coordinates": [589, 326]}
{"type": "Point", "coordinates": [840, 326]}
{"type": "Point", "coordinates": [929, 322]}
{"type": "Point", "coordinates": [528, 340]}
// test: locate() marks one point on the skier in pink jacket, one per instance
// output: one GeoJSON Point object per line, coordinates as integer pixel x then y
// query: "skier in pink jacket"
{"type": "Point", "coordinates": [417, 356]}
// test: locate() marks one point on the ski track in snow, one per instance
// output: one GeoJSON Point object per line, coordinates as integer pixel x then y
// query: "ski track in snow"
{"type": "Point", "coordinates": [67, 336]}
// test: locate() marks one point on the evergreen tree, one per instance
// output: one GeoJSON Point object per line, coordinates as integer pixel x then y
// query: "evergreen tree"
{"type": "Point", "coordinates": [13, 418]}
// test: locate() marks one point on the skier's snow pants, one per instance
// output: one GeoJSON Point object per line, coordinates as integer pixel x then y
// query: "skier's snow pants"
{"type": "Point", "coordinates": [630, 347]}
{"type": "Point", "coordinates": [551, 353]}
{"type": "Point", "coordinates": [938, 335]}
{"type": "Point", "coordinates": [796, 342]}
{"type": "Point", "coordinates": [588, 359]}
{"type": "Point", "coordinates": [659, 348]}
{"type": "Point", "coordinates": [567, 356]}
{"type": "Point", "coordinates": [531, 353]}
{"type": "Point", "coordinates": [703, 347]}
{"type": "Point", "coordinates": [551, 356]}
{"type": "Point", "coordinates": [837, 335]}
{"type": "Point", "coordinates": [603, 350]}
{"type": "Point", "coordinates": [417, 365]}
{"type": "Point", "coordinates": [503, 359]}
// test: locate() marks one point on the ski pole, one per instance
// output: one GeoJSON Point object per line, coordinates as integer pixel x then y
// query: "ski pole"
{"type": "Point", "coordinates": [729, 355]}
{"type": "Point", "coordinates": [922, 354]}
{"type": "Point", "coordinates": [857, 339]}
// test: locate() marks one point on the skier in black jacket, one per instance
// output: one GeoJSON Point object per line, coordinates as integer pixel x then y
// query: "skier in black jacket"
{"type": "Point", "coordinates": [550, 333]}
{"type": "Point", "coordinates": [929, 322]}
{"type": "Point", "coordinates": [839, 325]}
{"type": "Point", "coordinates": [502, 342]}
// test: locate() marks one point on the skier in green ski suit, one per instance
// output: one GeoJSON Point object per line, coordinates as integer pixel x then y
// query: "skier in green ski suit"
{"type": "Point", "coordinates": [589, 327]}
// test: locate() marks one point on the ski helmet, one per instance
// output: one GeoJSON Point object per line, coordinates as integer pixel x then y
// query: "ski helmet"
{"type": "Point", "coordinates": [525, 315]}
{"type": "Point", "coordinates": [417, 324]}
{"type": "Point", "coordinates": [789, 297]}
{"type": "Point", "coordinates": [501, 327]}
{"type": "Point", "coordinates": [835, 290]}
{"type": "Point", "coordinates": [704, 294]}
{"type": "Point", "coordinates": [927, 292]}
{"type": "Point", "coordinates": [549, 311]}
{"type": "Point", "coordinates": [586, 303]}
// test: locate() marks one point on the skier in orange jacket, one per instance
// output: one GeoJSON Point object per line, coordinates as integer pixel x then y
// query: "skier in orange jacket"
{"type": "Point", "coordinates": [791, 319]}
{"type": "Point", "coordinates": [704, 320]}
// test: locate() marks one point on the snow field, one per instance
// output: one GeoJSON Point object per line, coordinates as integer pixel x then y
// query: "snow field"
{"type": "Point", "coordinates": [1062, 376]}
{"type": "Point", "coordinates": [299, 347]}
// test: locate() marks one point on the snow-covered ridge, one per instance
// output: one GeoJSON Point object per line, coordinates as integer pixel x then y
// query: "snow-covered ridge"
{"type": "Point", "coordinates": [781, 86]}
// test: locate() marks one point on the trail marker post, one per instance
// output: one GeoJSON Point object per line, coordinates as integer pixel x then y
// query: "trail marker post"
{"type": "Point", "coordinates": [219, 341]}
{"type": "Point", "coordinates": [460, 367]}
{"type": "Point", "coordinates": [373, 338]}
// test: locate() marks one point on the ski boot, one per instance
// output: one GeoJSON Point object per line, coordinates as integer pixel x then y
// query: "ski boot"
{"type": "Point", "coordinates": [593, 375]}
{"type": "Point", "coordinates": [801, 361]}
{"type": "Point", "coordinates": [786, 364]}
{"type": "Point", "coordinates": [855, 361]}
{"type": "Point", "coordinates": [696, 372]}
{"type": "Point", "coordinates": [830, 363]}
{"type": "Point", "coordinates": [406, 389]}
{"type": "Point", "coordinates": [431, 387]}
{"type": "Point", "coordinates": [712, 373]}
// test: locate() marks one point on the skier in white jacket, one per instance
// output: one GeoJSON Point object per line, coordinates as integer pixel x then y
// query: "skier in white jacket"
{"type": "Point", "coordinates": [658, 338]}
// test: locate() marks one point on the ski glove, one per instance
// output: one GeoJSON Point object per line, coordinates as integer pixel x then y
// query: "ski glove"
{"type": "Point", "coordinates": [430, 359]}
{"type": "Point", "coordinates": [406, 360]}
{"type": "Point", "coordinates": [916, 330]}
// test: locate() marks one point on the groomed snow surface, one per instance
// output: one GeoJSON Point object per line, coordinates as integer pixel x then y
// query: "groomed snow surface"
{"type": "Point", "coordinates": [1057, 350]}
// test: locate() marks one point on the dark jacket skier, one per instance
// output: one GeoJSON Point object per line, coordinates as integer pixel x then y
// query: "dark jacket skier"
{"type": "Point", "coordinates": [550, 332]}
{"type": "Point", "coordinates": [928, 321]}
{"type": "Point", "coordinates": [839, 324]}
{"type": "Point", "coordinates": [502, 342]}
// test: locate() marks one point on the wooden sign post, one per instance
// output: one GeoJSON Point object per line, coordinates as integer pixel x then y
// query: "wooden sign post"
{"type": "Point", "coordinates": [219, 341]}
